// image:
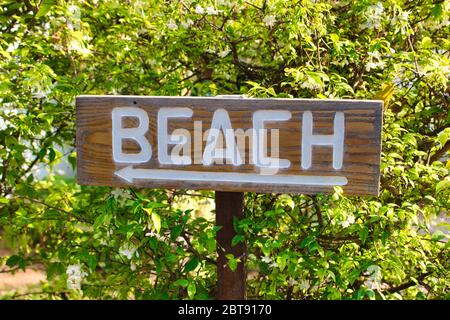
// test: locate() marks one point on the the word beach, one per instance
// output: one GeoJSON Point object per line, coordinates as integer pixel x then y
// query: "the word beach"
{"type": "Point", "coordinates": [229, 144]}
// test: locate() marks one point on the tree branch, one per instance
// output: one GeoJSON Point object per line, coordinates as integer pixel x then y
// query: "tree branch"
{"type": "Point", "coordinates": [441, 152]}
{"type": "Point", "coordinates": [408, 284]}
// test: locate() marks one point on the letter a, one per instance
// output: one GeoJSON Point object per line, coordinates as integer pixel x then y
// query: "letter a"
{"type": "Point", "coordinates": [221, 121]}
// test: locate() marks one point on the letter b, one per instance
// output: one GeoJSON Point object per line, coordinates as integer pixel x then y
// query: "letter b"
{"type": "Point", "coordinates": [137, 134]}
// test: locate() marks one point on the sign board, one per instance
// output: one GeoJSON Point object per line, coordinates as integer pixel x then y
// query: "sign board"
{"type": "Point", "coordinates": [228, 144]}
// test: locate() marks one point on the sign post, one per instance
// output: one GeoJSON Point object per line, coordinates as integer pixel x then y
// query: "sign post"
{"type": "Point", "coordinates": [230, 284]}
{"type": "Point", "coordinates": [229, 206]}
{"type": "Point", "coordinates": [229, 145]}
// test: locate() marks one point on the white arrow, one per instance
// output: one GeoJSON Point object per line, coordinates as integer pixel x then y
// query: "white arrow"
{"type": "Point", "coordinates": [129, 174]}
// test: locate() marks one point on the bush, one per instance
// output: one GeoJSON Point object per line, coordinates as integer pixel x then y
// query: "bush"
{"type": "Point", "coordinates": [98, 242]}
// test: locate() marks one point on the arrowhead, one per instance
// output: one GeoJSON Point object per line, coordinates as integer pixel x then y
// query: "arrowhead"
{"type": "Point", "coordinates": [125, 173]}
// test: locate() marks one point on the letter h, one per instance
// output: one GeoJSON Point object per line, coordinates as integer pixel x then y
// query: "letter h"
{"type": "Point", "coordinates": [336, 140]}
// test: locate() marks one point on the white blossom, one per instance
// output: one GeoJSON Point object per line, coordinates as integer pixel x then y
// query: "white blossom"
{"type": "Point", "coordinates": [120, 193]}
{"type": "Point", "coordinates": [402, 18]}
{"type": "Point", "coordinates": [422, 289]}
{"type": "Point", "coordinates": [224, 53]}
{"type": "Point", "coordinates": [12, 47]}
{"type": "Point", "coordinates": [186, 24]}
{"type": "Point", "coordinates": [128, 250]}
{"type": "Point", "coordinates": [269, 20]}
{"type": "Point", "coordinates": [374, 277]}
{"type": "Point", "coordinates": [39, 94]}
{"type": "Point", "coordinates": [133, 267]}
{"type": "Point", "coordinates": [78, 46]}
{"type": "Point", "coordinates": [373, 15]}
{"type": "Point", "coordinates": [373, 65]}
{"type": "Point", "coordinates": [309, 83]}
{"type": "Point", "coordinates": [172, 25]}
{"type": "Point", "coordinates": [443, 24]}
{"type": "Point", "coordinates": [374, 272]}
{"type": "Point", "coordinates": [266, 259]}
{"type": "Point", "coordinates": [155, 235]}
{"type": "Point", "coordinates": [15, 27]}
{"type": "Point", "coordinates": [211, 10]}
{"type": "Point", "coordinates": [73, 269]}
{"type": "Point", "coordinates": [292, 282]}
{"type": "Point", "coordinates": [75, 276]}
{"type": "Point", "coordinates": [349, 221]}
{"type": "Point", "coordinates": [72, 9]}
{"type": "Point", "coordinates": [224, 3]}
{"type": "Point", "coordinates": [374, 61]}
{"type": "Point", "coordinates": [397, 81]}
{"type": "Point", "coordinates": [304, 284]}
{"type": "Point", "coordinates": [87, 37]}
{"type": "Point", "coordinates": [370, 66]}
{"type": "Point", "coordinates": [199, 9]}
{"type": "Point", "coordinates": [125, 37]}
{"type": "Point", "coordinates": [374, 54]}
{"type": "Point", "coordinates": [273, 265]}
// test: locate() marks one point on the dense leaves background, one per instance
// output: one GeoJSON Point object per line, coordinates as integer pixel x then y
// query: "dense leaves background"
{"type": "Point", "coordinates": [103, 243]}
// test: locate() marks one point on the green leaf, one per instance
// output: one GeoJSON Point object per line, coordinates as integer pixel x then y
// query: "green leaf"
{"type": "Point", "coordinates": [307, 241]}
{"type": "Point", "coordinates": [182, 283]}
{"type": "Point", "coordinates": [438, 236]}
{"type": "Point", "coordinates": [442, 185]}
{"type": "Point", "coordinates": [4, 200]}
{"type": "Point", "coordinates": [91, 261]}
{"type": "Point", "coordinates": [271, 91]}
{"type": "Point", "coordinates": [191, 265]}
{"type": "Point", "coordinates": [444, 136]}
{"type": "Point", "coordinates": [156, 219]}
{"type": "Point", "coordinates": [426, 43]}
{"type": "Point", "coordinates": [176, 231]}
{"type": "Point", "coordinates": [395, 155]}
{"type": "Point", "coordinates": [335, 38]}
{"type": "Point", "coordinates": [437, 10]}
{"type": "Point", "coordinates": [72, 158]}
{"type": "Point", "coordinates": [211, 245]}
{"type": "Point", "coordinates": [42, 153]}
{"type": "Point", "coordinates": [45, 7]}
{"type": "Point", "coordinates": [364, 234]}
{"type": "Point", "coordinates": [282, 261]}
{"type": "Point", "coordinates": [102, 219]}
{"type": "Point", "coordinates": [55, 269]}
{"type": "Point", "coordinates": [191, 289]}
{"type": "Point", "coordinates": [232, 262]}
{"type": "Point", "coordinates": [253, 84]}
{"type": "Point", "coordinates": [153, 205]}
{"type": "Point", "coordinates": [236, 239]}
{"type": "Point", "coordinates": [16, 260]}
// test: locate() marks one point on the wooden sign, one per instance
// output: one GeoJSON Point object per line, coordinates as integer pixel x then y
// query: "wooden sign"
{"type": "Point", "coordinates": [227, 144]}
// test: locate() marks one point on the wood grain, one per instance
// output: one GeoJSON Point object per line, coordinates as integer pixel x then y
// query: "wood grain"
{"type": "Point", "coordinates": [362, 144]}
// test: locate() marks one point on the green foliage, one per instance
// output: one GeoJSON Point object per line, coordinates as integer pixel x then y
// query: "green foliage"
{"type": "Point", "coordinates": [96, 242]}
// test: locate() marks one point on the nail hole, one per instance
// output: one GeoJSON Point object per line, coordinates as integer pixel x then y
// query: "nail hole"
{"type": "Point", "coordinates": [134, 102]}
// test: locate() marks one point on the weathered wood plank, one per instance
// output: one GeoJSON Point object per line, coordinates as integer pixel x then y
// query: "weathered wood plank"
{"type": "Point", "coordinates": [361, 153]}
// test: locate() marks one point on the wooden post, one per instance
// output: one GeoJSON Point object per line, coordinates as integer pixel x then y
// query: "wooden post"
{"type": "Point", "coordinates": [230, 284]}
